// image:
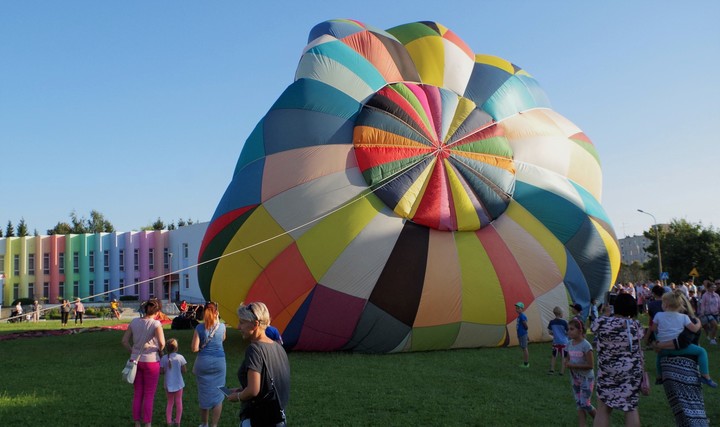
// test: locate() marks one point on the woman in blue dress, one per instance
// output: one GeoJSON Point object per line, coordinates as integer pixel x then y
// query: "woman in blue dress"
{"type": "Point", "coordinates": [209, 368]}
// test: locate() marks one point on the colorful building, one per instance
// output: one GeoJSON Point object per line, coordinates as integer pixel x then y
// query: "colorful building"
{"type": "Point", "coordinates": [102, 266]}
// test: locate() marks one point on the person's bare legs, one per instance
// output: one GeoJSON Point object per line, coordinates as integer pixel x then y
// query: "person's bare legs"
{"type": "Point", "coordinates": [216, 412]}
{"type": "Point", "coordinates": [204, 416]}
{"type": "Point", "coordinates": [602, 415]}
{"type": "Point", "coordinates": [632, 419]}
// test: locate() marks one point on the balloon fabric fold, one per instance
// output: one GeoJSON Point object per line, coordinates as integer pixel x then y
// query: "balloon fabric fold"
{"type": "Point", "coordinates": [402, 194]}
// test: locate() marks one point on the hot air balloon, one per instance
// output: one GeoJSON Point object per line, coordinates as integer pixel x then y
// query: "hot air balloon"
{"type": "Point", "coordinates": [402, 194]}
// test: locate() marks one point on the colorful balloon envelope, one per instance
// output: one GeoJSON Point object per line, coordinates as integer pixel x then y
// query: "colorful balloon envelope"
{"type": "Point", "coordinates": [403, 194]}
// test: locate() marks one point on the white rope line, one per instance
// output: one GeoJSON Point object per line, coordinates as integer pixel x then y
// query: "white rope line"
{"type": "Point", "coordinates": [362, 195]}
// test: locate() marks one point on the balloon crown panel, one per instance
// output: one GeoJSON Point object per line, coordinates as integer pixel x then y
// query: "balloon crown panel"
{"type": "Point", "coordinates": [402, 194]}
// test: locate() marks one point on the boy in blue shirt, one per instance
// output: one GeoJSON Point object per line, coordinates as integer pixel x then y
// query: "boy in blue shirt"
{"type": "Point", "coordinates": [558, 328]}
{"type": "Point", "coordinates": [522, 334]}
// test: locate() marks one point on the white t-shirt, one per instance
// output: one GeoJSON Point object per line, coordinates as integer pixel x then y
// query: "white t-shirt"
{"type": "Point", "coordinates": [670, 324]}
{"type": "Point", "coordinates": [173, 371]}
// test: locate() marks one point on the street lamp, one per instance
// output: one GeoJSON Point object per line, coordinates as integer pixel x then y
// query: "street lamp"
{"type": "Point", "coordinates": [657, 237]}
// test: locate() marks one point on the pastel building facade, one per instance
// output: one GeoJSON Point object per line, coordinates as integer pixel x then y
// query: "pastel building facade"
{"type": "Point", "coordinates": [102, 266]}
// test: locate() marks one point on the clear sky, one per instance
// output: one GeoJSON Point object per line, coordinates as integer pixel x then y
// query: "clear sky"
{"type": "Point", "coordinates": [108, 104]}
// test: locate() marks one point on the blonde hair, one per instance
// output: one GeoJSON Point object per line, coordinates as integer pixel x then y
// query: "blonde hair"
{"type": "Point", "coordinates": [677, 301]}
{"type": "Point", "coordinates": [171, 346]}
{"type": "Point", "coordinates": [558, 311]}
{"type": "Point", "coordinates": [255, 311]}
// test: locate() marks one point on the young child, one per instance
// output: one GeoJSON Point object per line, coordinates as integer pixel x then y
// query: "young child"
{"type": "Point", "coordinates": [579, 359]}
{"type": "Point", "coordinates": [522, 334]}
{"type": "Point", "coordinates": [593, 311]}
{"type": "Point", "coordinates": [577, 312]}
{"type": "Point", "coordinates": [558, 328]}
{"type": "Point", "coordinates": [668, 325]}
{"type": "Point", "coordinates": [173, 366]}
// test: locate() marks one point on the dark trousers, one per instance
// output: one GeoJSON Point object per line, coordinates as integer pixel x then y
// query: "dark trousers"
{"type": "Point", "coordinates": [64, 317]}
{"type": "Point", "coordinates": [78, 315]}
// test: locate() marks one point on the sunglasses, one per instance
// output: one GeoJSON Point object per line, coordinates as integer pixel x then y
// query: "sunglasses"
{"type": "Point", "coordinates": [251, 309]}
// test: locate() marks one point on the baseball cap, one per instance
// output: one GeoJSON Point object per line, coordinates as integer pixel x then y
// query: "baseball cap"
{"type": "Point", "coordinates": [577, 307]}
{"type": "Point", "coordinates": [519, 304]}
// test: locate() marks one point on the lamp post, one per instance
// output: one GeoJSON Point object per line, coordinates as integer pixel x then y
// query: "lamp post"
{"type": "Point", "coordinates": [170, 269]}
{"type": "Point", "coordinates": [657, 237]}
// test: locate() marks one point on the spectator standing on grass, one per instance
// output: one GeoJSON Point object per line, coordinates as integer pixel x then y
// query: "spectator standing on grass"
{"type": "Point", "coordinates": [64, 312]}
{"type": "Point", "coordinates": [709, 312]}
{"type": "Point", "coordinates": [579, 359]}
{"type": "Point", "coordinates": [79, 311]}
{"type": "Point", "coordinates": [36, 311]}
{"type": "Point", "coordinates": [522, 333]}
{"type": "Point", "coordinates": [173, 365]}
{"type": "Point", "coordinates": [265, 366]}
{"type": "Point", "coordinates": [576, 310]}
{"type": "Point", "coordinates": [558, 328]}
{"type": "Point", "coordinates": [620, 362]}
{"type": "Point", "coordinates": [145, 340]}
{"type": "Point", "coordinates": [209, 368]}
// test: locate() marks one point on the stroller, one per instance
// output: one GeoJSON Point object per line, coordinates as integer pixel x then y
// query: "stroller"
{"type": "Point", "coordinates": [15, 317]}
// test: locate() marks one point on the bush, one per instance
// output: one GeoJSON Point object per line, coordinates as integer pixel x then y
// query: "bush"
{"type": "Point", "coordinates": [53, 313]}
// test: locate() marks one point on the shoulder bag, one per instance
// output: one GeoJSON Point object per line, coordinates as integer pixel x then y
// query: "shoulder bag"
{"type": "Point", "coordinates": [130, 369]}
{"type": "Point", "coordinates": [265, 410]}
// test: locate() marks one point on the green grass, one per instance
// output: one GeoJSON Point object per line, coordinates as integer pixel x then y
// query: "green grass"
{"type": "Point", "coordinates": [75, 380]}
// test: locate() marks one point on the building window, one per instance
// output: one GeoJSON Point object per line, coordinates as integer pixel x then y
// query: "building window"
{"type": "Point", "coordinates": [136, 287]}
{"type": "Point", "coordinates": [166, 259]}
{"type": "Point", "coordinates": [16, 265]}
{"type": "Point", "coordinates": [46, 290]}
{"type": "Point", "coordinates": [152, 288]}
{"type": "Point", "coordinates": [2, 264]}
{"type": "Point", "coordinates": [151, 258]}
{"type": "Point", "coordinates": [16, 291]}
{"type": "Point", "coordinates": [186, 250]}
{"type": "Point", "coordinates": [187, 281]}
{"type": "Point", "coordinates": [122, 287]}
{"type": "Point", "coordinates": [136, 259]}
{"type": "Point", "coordinates": [31, 290]}
{"type": "Point", "coordinates": [106, 260]}
{"type": "Point", "coordinates": [61, 261]}
{"type": "Point", "coordinates": [92, 289]}
{"type": "Point", "coordinates": [31, 264]}
{"type": "Point", "coordinates": [76, 262]}
{"type": "Point", "coordinates": [76, 289]}
{"type": "Point", "coordinates": [46, 263]}
{"type": "Point", "coordinates": [122, 259]}
{"type": "Point", "coordinates": [61, 289]}
{"type": "Point", "coordinates": [91, 261]}
{"type": "Point", "coordinates": [106, 289]}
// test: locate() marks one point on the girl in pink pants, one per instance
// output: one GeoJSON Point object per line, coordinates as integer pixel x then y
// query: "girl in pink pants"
{"type": "Point", "coordinates": [173, 365]}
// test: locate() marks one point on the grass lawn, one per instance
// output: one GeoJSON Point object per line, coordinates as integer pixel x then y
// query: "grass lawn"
{"type": "Point", "coordinates": [75, 380]}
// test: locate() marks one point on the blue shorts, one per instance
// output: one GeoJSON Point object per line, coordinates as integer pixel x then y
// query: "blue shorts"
{"type": "Point", "coordinates": [707, 318]}
{"type": "Point", "coordinates": [523, 341]}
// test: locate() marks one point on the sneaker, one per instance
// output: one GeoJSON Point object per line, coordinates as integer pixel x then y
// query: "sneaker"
{"type": "Point", "coordinates": [713, 342]}
{"type": "Point", "coordinates": [525, 365]}
{"type": "Point", "coordinates": [707, 381]}
{"type": "Point", "coordinates": [551, 372]}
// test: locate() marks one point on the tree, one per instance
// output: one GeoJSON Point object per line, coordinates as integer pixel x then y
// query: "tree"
{"type": "Point", "coordinates": [10, 230]}
{"type": "Point", "coordinates": [634, 273]}
{"type": "Point", "coordinates": [22, 228]}
{"type": "Point", "coordinates": [685, 246]}
{"type": "Point", "coordinates": [96, 224]}
{"type": "Point", "coordinates": [1, 232]}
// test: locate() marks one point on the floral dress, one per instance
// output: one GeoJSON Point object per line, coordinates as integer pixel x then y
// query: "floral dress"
{"type": "Point", "coordinates": [620, 361]}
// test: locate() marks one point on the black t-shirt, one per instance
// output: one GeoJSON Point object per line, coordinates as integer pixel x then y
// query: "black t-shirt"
{"type": "Point", "coordinates": [272, 356]}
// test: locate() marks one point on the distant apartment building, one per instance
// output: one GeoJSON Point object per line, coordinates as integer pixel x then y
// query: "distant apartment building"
{"type": "Point", "coordinates": [632, 249]}
{"type": "Point", "coordinates": [102, 266]}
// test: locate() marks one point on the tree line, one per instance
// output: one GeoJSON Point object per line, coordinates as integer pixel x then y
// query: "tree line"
{"type": "Point", "coordinates": [96, 223]}
{"type": "Point", "coordinates": [684, 246]}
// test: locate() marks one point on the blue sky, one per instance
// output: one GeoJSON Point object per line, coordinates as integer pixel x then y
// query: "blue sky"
{"type": "Point", "coordinates": [111, 87]}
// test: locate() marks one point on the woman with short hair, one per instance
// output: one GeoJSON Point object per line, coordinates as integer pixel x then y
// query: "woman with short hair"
{"type": "Point", "coordinates": [265, 367]}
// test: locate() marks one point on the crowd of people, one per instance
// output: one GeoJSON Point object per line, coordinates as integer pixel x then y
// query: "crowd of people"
{"type": "Point", "coordinates": [676, 313]}
{"type": "Point", "coordinates": [263, 376]}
